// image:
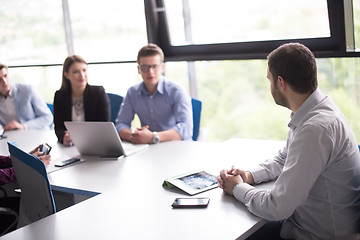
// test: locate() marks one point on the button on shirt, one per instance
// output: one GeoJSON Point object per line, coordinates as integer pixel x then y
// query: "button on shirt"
{"type": "Point", "coordinates": [317, 187]}
{"type": "Point", "coordinates": [168, 108]}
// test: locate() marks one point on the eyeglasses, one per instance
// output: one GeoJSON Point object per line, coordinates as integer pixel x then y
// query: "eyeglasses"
{"type": "Point", "coordinates": [146, 68]}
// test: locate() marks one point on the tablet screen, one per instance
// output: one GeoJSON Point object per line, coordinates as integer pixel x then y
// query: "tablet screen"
{"type": "Point", "coordinates": [195, 182]}
{"type": "Point", "coordinates": [199, 180]}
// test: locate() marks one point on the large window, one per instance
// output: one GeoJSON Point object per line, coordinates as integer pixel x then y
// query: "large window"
{"type": "Point", "coordinates": [34, 43]}
{"type": "Point", "coordinates": [236, 96]}
{"type": "Point", "coordinates": [237, 101]}
{"type": "Point", "coordinates": [356, 12]}
{"type": "Point", "coordinates": [31, 32]}
{"type": "Point", "coordinates": [108, 30]}
{"type": "Point", "coordinates": [190, 22]}
{"type": "Point", "coordinates": [216, 50]}
{"type": "Point", "coordinates": [213, 30]}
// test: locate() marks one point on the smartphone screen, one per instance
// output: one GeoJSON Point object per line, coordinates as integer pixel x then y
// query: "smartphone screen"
{"type": "Point", "coordinates": [190, 202]}
{"type": "Point", "coordinates": [45, 148]}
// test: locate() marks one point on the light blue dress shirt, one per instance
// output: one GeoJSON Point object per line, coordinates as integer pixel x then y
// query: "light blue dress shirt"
{"type": "Point", "coordinates": [31, 108]}
{"type": "Point", "coordinates": [168, 108]}
{"type": "Point", "coordinates": [317, 187]}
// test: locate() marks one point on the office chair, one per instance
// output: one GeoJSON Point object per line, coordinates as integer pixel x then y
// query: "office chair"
{"type": "Point", "coordinates": [115, 104]}
{"type": "Point", "coordinates": [8, 216]}
{"type": "Point", "coordinates": [36, 199]}
{"type": "Point", "coordinates": [8, 219]}
{"type": "Point", "coordinates": [51, 107]}
{"type": "Point", "coordinates": [196, 107]}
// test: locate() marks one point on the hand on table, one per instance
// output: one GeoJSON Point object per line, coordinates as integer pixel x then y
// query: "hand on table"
{"type": "Point", "coordinates": [141, 135]}
{"type": "Point", "coordinates": [228, 179]}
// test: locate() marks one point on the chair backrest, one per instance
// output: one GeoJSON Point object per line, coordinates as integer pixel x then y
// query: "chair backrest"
{"type": "Point", "coordinates": [51, 107]}
{"type": "Point", "coordinates": [8, 219]}
{"type": "Point", "coordinates": [36, 200]}
{"type": "Point", "coordinates": [196, 107]}
{"type": "Point", "coordinates": [115, 104]}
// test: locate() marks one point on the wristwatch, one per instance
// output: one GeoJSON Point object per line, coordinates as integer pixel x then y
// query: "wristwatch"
{"type": "Point", "coordinates": [156, 138]}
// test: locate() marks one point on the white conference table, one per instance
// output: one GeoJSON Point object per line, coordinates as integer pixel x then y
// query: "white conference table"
{"type": "Point", "coordinates": [133, 204]}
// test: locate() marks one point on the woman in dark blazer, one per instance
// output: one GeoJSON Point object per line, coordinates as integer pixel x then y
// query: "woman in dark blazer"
{"type": "Point", "coordinates": [77, 100]}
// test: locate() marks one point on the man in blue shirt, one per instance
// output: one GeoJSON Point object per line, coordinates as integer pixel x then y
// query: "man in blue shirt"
{"type": "Point", "coordinates": [163, 108]}
{"type": "Point", "coordinates": [21, 107]}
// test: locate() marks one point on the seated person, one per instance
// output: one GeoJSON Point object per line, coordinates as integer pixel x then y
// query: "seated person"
{"type": "Point", "coordinates": [163, 107]}
{"type": "Point", "coordinates": [21, 107]}
{"type": "Point", "coordinates": [7, 174]}
{"type": "Point", "coordinates": [77, 100]}
{"type": "Point", "coordinates": [316, 194]}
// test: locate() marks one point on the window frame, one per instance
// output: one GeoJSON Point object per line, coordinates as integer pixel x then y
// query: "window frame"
{"type": "Point", "coordinates": [333, 46]}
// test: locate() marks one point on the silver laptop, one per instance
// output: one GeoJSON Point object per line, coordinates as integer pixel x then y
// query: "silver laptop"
{"type": "Point", "coordinates": [100, 139]}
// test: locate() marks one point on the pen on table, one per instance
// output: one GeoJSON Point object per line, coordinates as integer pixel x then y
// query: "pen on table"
{"type": "Point", "coordinates": [2, 135]}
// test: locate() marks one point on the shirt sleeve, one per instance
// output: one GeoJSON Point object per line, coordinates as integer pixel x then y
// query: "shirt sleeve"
{"type": "Point", "coordinates": [126, 114]}
{"type": "Point", "coordinates": [270, 169]}
{"type": "Point", "coordinates": [43, 116]}
{"type": "Point", "coordinates": [183, 114]}
{"type": "Point", "coordinates": [5, 162]}
{"type": "Point", "coordinates": [7, 173]}
{"type": "Point", "coordinates": [306, 158]}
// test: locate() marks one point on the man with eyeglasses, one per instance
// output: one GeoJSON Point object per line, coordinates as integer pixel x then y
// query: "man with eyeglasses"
{"type": "Point", "coordinates": [21, 107]}
{"type": "Point", "coordinates": [162, 106]}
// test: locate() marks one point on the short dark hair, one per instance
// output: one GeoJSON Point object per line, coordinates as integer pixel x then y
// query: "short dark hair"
{"type": "Point", "coordinates": [296, 64]}
{"type": "Point", "coordinates": [3, 66]}
{"type": "Point", "coordinates": [150, 49]}
{"type": "Point", "coordinates": [65, 84]}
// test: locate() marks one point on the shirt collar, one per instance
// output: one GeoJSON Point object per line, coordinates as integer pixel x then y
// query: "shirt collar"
{"type": "Point", "coordinates": [11, 93]}
{"type": "Point", "coordinates": [160, 87]}
{"type": "Point", "coordinates": [309, 104]}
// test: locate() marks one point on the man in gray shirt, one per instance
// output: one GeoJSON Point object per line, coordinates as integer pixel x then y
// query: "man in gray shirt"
{"type": "Point", "coordinates": [316, 194]}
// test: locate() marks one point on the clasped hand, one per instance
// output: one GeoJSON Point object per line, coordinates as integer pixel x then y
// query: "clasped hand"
{"type": "Point", "coordinates": [228, 179]}
{"type": "Point", "coordinates": [141, 135]}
